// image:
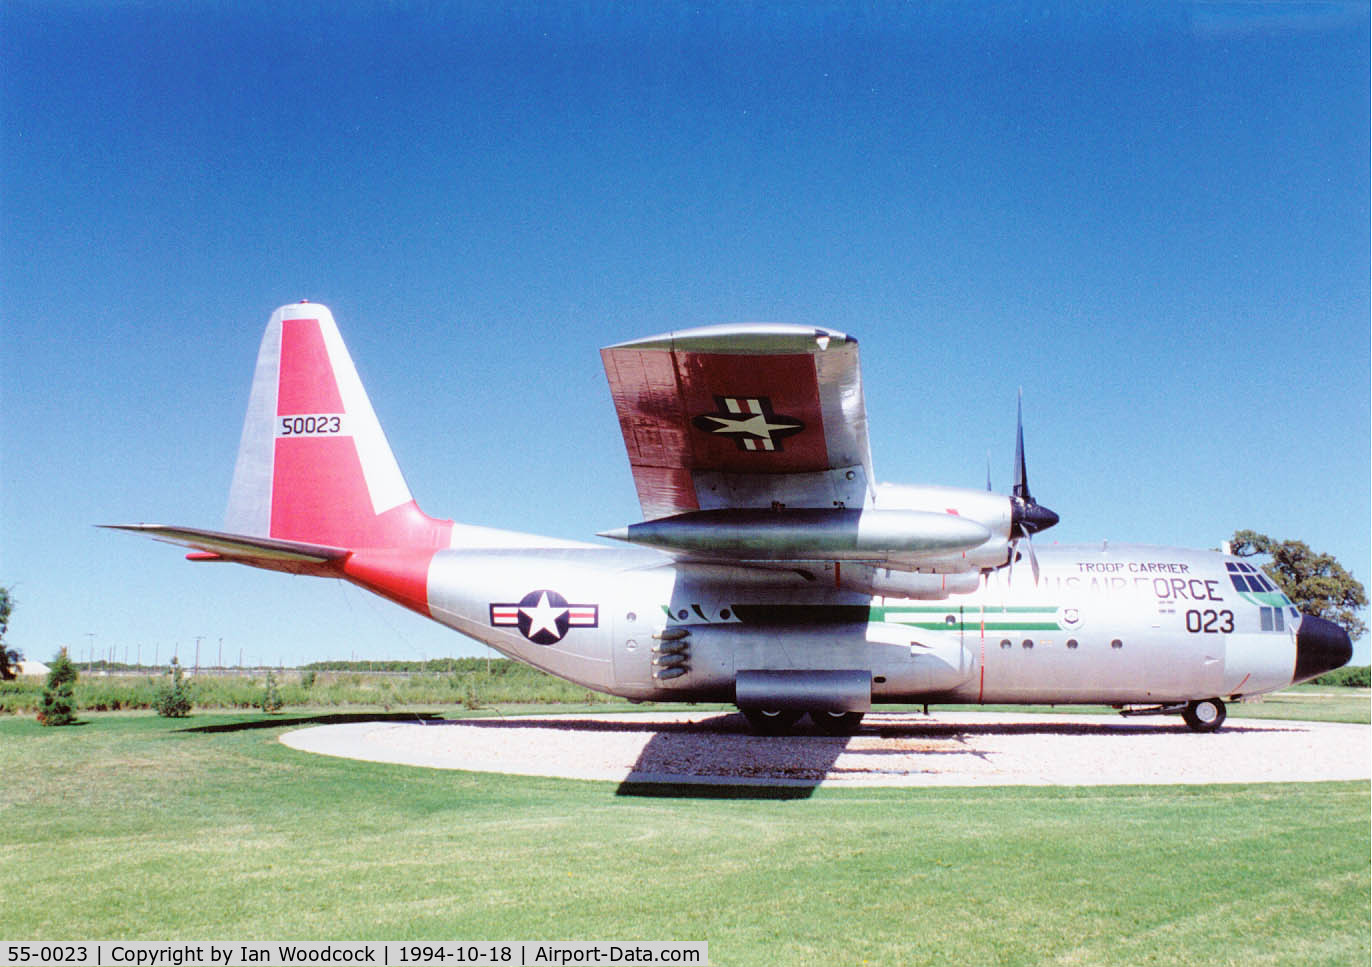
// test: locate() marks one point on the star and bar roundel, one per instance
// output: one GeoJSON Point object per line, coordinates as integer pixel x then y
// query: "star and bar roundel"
{"type": "Point", "coordinates": [544, 617]}
{"type": "Point", "coordinates": [750, 421]}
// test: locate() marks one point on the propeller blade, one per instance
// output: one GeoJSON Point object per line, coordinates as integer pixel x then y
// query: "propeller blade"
{"type": "Point", "coordinates": [1028, 516]}
{"type": "Point", "coordinates": [1033, 559]}
{"type": "Point", "coordinates": [1015, 555]}
{"type": "Point", "coordinates": [1021, 471]}
{"type": "Point", "coordinates": [988, 471]}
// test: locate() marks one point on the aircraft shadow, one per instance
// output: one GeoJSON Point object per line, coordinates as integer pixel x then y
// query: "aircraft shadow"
{"type": "Point", "coordinates": [749, 766]}
{"type": "Point", "coordinates": [671, 765]}
{"type": "Point", "coordinates": [332, 718]}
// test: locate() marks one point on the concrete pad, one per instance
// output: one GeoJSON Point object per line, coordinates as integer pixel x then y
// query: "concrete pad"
{"type": "Point", "coordinates": [948, 748]}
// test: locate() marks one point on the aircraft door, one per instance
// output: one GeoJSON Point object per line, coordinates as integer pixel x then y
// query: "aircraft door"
{"type": "Point", "coordinates": [632, 646]}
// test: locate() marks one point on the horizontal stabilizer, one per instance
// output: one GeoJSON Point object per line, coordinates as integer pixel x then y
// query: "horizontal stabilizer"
{"type": "Point", "coordinates": [265, 552]}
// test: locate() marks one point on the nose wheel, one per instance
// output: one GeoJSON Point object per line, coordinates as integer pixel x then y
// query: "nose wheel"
{"type": "Point", "coordinates": [1204, 715]}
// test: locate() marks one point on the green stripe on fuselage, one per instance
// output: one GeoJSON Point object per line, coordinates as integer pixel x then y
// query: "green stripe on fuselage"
{"type": "Point", "coordinates": [1011, 618]}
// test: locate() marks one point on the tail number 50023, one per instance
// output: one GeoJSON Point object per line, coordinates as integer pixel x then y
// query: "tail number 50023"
{"type": "Point", "coordinates": [310, 425]}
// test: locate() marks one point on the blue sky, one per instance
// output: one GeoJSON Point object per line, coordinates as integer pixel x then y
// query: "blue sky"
{"type": "Point", "coordinates": [1153, 217]}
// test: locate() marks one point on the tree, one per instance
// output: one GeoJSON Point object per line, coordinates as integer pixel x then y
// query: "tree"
{"type": "Point", "coordinates": [9, 657]}
{"type": "Point", "coordinates": [59, 695]}
{"type": "Point", "coordinates": [173, 700]}
{"type": "Point", "coordinates": [1317, 583]}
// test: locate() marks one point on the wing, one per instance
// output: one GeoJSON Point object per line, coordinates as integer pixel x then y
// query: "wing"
{"type": "Point", "coordinates": [756, 415]}
{"type": "Point", "coordinates": [748, 445]}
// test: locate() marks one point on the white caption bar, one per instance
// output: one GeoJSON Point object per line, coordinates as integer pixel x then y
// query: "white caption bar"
{"type": "Point", "coordinates": [285, 953]}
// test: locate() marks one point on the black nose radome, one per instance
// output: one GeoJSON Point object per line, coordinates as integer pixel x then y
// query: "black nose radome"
{"type": "Point", "coordinates": [1028, 517]}
{"type": "Point", "coordinates": [1321, 646]}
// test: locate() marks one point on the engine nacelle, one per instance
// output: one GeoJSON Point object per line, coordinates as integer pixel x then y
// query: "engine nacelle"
{"type": "Point", "coordinates": [993, 511]}
{"type": "Point", "coordinates": [840, 534]}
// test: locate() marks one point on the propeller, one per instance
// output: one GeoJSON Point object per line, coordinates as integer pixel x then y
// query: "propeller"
{"type": "Point", "coordinates": [1027, 516]}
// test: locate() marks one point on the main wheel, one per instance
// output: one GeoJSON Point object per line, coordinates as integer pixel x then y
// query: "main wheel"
{"type": "Point", "coordinates": [771, 721]}
{"type": "Point", "coordinates": [1204, 715]}
{"type": "Point", "coordinates": [837, 723]}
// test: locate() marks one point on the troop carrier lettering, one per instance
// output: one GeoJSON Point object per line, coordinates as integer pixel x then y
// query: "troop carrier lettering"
{"type": "Point", "coordinates": [1135, 567]}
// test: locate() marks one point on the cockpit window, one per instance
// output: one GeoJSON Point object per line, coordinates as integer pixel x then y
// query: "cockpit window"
{"type": "Point", "coordinates": [1258, 589]}
{"type": "Point", "coordinates": [1245, 577]}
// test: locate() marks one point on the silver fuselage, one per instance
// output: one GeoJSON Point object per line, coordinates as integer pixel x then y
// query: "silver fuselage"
{"type": "Point", "coordinates": [1118, 624]}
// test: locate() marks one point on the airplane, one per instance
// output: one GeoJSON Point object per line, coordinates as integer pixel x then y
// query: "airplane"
{"type": "Point", "coordinates": [771, 570]}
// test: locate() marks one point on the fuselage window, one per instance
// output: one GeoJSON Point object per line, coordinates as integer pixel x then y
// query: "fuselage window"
{"type": "Point", "coordinates": [1005, 642]}
{"type": "Point", "coordinates": [1116, 643]}
{"type": "Point", "coordinates": [1027, 643]}
{"type": "Point", "coordinates": [1072, 643]}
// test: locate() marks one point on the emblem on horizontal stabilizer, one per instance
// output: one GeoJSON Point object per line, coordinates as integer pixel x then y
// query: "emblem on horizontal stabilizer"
{"type": "Point", "coordinates": [544, 617]}
{"type": "Point", "coordinates": [751, 421]}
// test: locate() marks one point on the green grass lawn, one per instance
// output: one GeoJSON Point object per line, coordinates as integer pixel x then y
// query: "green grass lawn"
{"type": "Point", "coordinates": [1310, 703]}
{"type": "Point", "coordinates": [133, 827]}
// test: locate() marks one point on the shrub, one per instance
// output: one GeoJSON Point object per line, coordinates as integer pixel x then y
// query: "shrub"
{"type": "Point", "coordinates": [173, 700]}
{"type": "Point", "coordinates": [1357, 676]}
{"type": "Point", "coordinates": [271, 699]}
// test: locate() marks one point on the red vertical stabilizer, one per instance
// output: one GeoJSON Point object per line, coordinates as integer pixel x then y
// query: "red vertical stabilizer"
{"type": "Point", "coordinates": [314, 465]}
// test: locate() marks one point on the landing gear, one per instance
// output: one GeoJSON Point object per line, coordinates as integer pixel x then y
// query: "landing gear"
{"type": "Point", "coordinates": [1204, 715]}
{"type": "Point", "coordinates": [771, 721]}
{"type": "Point", "coordinates": [780, 721]}
{"type": "Point", "coordinates": [837, 723]}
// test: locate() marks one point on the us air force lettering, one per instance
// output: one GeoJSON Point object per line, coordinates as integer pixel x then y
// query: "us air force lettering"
{"type": "Point", "coordinates": [770, 569]}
